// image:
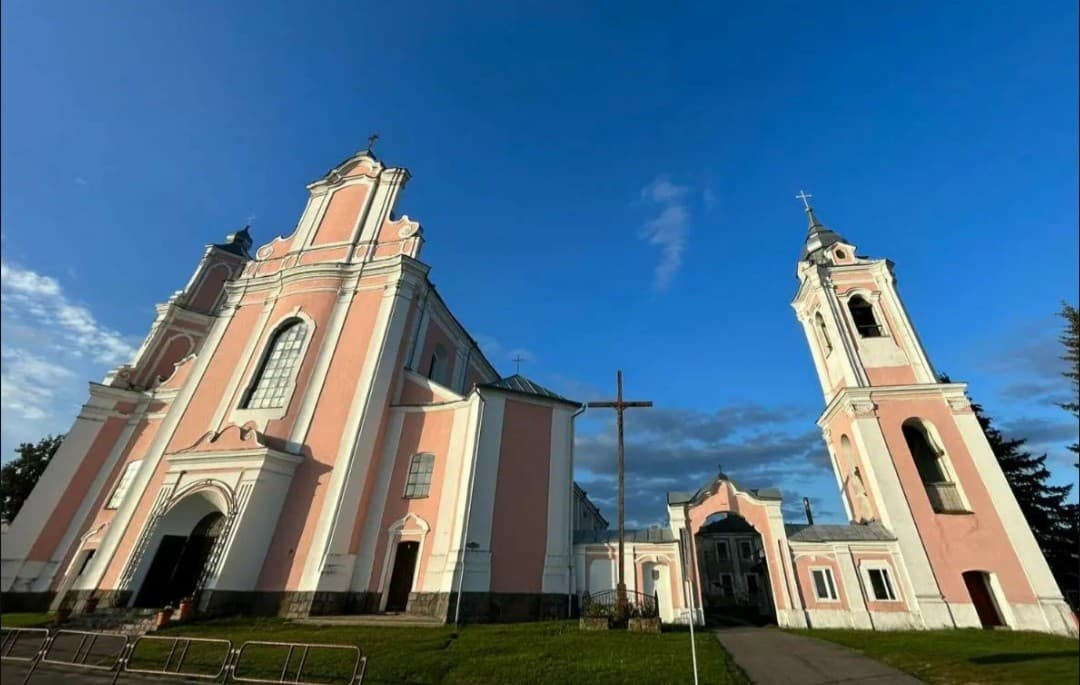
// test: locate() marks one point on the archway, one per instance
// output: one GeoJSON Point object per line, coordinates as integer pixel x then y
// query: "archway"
{"type": "Point", "coordinates": [185, 538]}
{"type": "Point", "coordinates": [733, 571]}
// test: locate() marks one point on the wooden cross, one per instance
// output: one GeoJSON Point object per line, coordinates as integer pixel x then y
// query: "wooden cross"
{"type": "Point", "coordinates": [804, 196]}
{"type": "Point", "coordinates": [371, 141]}
{"type": "Point", "coordinates": [619, 405]}
{"type": "Point", "coordinates": [517, 363]}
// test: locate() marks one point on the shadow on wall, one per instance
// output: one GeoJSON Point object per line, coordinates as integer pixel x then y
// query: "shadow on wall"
{"type": "Point", "coordinates": [1022, 656]}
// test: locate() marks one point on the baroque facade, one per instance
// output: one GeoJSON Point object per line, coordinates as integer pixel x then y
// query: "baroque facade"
{"type": "Point", "coordinates": [309, 430]}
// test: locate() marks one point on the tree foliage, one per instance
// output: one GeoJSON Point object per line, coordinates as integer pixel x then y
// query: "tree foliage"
{"type": "Point", "coordinates": [18, 476]}
{"type": "Point", "coordinates": [1071, 341]}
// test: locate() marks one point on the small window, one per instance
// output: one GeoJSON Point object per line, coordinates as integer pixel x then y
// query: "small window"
{"type": "Point", "coordinates": [840, 254]}
{"type": "Point", "coordinates": [930, 462]}
{"type": "Point", "coordinates": [727, 584]}
{"type": "Point", "coordinates": [87, 556]}
{"type": "Point", "coordinates": [819, 321]}
{"type": "Point", "coordinates": [723, 553]}
{"type": "Point", "coordinates": [123, 485]}
{"type": "Point", "coordinates": [881, 584]}
{"type": "Point", "coordinates": [274, 378]}
{"type": "Point", "coordinates": [746, 550]}
{"type": "Point", "coordinates": [824, 586]}
{"type": "Point", "coordinates": [420, 469]}
{"type": "Point", "coordinates": [752, 585]}
{"type": "Point", "coordinates": [862, 313]}
{"type": "Point", "coordinates": [437, 365]}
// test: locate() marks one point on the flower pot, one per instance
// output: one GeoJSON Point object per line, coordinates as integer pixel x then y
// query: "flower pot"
{"type": "Point", "coordinates": [187, 609]}
{"type": "Point", "coordinates": [162, 618]}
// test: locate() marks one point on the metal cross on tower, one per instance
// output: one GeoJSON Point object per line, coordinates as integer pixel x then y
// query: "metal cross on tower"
{"type": "Point", "coordinates": [619, 405]}
{"type": "Point", "coordinates": [517, 363]}
{"type": "Point", "coordinates": [804, 196]}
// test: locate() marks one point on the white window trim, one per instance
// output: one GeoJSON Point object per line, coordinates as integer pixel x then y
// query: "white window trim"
{"type": "Point", "coordinates": [874, 300]}
{"type": "Point", "coordinates": [890, 578]}
{"type": "Point", "coordinates": [944, 462]}
{"type": "Point", "coordinates": [830, 578]}
{"type": "Point", "coordinates": [241, 415]}
{"type": "Point", "coordinates": [116, 497]}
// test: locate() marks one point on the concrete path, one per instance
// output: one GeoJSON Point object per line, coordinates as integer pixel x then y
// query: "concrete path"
{"type": "Point", "coordinates": [773, 657]}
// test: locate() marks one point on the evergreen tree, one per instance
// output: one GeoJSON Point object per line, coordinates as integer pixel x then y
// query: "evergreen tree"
{"type": "Point", "coordinates": [18, 476]}
{"type": "Point", "coordinates": [1055, 522]}
{"type": "Point", "coordinates": [1071, 340]}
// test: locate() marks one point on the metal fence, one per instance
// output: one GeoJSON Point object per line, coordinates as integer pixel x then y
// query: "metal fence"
{"type": "Point", "coordinates": [215, 660]}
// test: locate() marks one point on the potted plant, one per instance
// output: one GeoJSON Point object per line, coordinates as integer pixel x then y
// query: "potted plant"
{"type": "Point", "coordinates": [163, 617]}
{"type": "Point", "coordinates": [187, 608]}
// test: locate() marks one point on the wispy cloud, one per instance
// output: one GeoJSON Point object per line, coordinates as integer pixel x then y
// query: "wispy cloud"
{"type": "Point", "coordinates": [79, 180]}
{"type": "Point", "coordinates": [502, 355]}
{"type": "Point", "coordinates": [51, 346]}
{"type": "Point", "coordinates": [668, 228]}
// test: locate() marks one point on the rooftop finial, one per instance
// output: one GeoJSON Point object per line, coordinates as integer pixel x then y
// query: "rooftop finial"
{"type": "Point", "coordinates": [371, 141]}
{"type": "Point", "coordinates": [805, 197]}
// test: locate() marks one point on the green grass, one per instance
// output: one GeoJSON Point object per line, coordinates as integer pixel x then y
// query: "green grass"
{"type": "Point", "coordinates": [25, 620]}
{"type": "Point", "coordinates": [947, 657]}
{"type": "Point", "coordinates": [555, 651]}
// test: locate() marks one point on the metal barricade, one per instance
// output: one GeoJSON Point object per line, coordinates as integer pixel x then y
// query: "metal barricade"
{"type": "Point", "coordinates": [291, 648]}
{"type": "Point", "coordinates": [16, 644]}
{"type": "Point", "coordinates": [179, 649]}
{"type": "Point", "coordinates": [90, 646]}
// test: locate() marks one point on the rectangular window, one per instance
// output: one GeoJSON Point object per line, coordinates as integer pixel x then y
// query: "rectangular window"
{"type": "Point", "coordinates": [824, 586]}
{"type": "Point", "coordinates": [746, 550]}
{"type": "Point", "coordinates": [420, 469]}
{"type": "Point", "coordinates": [752, 584]}
{"type": "Point", "coordinates": [123, 485]}
{"type": "Point", "coordinates": [727, 585]}
{"type": "Point", "coordinates": [722, 551]}
{"type": "Point", "coordinates": [881, 584]}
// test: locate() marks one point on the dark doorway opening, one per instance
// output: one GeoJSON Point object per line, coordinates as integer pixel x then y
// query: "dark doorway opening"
{"type": "Point", "coordinates": [178, 564]}
{"type": "Point", "coordinates": [734, 573]}
{"type": "Point", "coordinates": [401, 580]}
{"type": "Point", "coordinates": [978, 586]}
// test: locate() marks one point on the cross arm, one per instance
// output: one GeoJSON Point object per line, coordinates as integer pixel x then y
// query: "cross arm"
{"type": "Point", "coordinates": [616, 405]}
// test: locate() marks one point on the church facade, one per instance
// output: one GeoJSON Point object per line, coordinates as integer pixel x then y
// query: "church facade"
{"type": "Point", "coordinates": [307, 429]}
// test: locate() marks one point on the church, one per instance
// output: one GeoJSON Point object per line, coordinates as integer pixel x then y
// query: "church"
{"type": "Point", "coordinates": [308, 430]}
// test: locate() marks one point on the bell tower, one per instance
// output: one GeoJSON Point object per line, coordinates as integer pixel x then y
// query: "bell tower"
{"type": "Point", "coordinates": [908, 451]}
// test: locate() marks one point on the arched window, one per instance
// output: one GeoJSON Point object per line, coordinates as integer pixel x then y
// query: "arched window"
{"type": "Point", "coordinates": [272, 381]}
{"type": "Point", "coordinates": [437, 365]}
{"type": "Point", "coordinates": [819, 321]}
{"type": "Point", "coordinates": [931, 463]}
{"type": "Point", "coordinates": [862, 313]}
{"type": "Point", "coordinates": [420, 469]}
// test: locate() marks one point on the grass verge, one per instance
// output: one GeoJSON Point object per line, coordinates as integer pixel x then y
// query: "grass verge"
{"type": "Point", "coordinates": [25, 620]}
{"type": "Point", "coordinates": [955, 657]}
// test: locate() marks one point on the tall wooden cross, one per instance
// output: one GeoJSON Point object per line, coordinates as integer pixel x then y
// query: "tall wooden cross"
{"type": "Point", "coordinates": [619, 405]}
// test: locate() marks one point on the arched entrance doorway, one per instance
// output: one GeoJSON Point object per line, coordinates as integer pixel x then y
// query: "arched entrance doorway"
{"type": "Point", "coordinates": [733, 571]}
{"type": "Point", "coordinates": [185, 537]}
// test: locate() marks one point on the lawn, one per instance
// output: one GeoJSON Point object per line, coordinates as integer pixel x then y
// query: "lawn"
{"type": "Point", "coordinates": [25, 620]}
{"type": "Point", "coordinates": [554, 651]}
{"type": "Point", "coordinates": [948, 657]}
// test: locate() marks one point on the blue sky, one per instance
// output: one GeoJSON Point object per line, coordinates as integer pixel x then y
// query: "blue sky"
{"type": "Point", "coordinates": [601, 186]}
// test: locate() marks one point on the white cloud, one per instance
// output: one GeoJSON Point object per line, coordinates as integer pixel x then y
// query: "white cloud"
{"type": "Point", "coordinates": [668, 229]}
{"type": "Point", "coordinates": [80, 180]}
{"type": "Point", "coordinates": [51, 347]}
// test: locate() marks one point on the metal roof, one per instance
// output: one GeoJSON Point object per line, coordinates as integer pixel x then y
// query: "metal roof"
{"type": "Point", "coordinates": [521, 384]}
{"type": "Point", "coordinates": [852, 532]}
{"type": "Point", "coordinates": [605, 536]}
{"type": "Point", "coordinates": [818, 237]}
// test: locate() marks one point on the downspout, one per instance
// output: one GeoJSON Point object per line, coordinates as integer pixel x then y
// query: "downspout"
{"type": "Point", "coordinates": [570, 520]}
{"type": "Point", "coordinates": [468, 512]}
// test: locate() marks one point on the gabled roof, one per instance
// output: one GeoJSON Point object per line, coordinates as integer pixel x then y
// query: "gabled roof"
{"type": "Point", "coordinates": [682, 497]}
{"type": "Point", "coordinates": [522, 385]}
{"type": "Point", "coordinates": [852, 532]}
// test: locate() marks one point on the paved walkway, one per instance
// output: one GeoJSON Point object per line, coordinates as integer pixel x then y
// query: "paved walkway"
{"type": "Point", "coordinates": [773, 657]}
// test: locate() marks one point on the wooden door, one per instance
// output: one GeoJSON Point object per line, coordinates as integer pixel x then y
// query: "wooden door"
{"type": "Point", "coordinates": [979, 589]}
{"type": "Point", "coordinates": [401, 579]}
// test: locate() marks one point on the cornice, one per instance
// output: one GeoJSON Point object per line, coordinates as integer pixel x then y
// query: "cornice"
{"type": "Point", "coordinates": [855, 400]}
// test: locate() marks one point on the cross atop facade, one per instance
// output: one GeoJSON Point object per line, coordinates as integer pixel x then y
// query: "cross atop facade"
{"type": "Point", "coordinates": [620, 405]}
{"type": "Point", "coordinates": [517, 363]}
{"type": "Point", "coordinates": [804, 196]}
{"type": "Point", "coordinates": [371, 141]}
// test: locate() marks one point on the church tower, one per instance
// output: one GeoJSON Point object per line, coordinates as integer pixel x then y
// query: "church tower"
{"type": "Point", "coordinates": [909, 453]}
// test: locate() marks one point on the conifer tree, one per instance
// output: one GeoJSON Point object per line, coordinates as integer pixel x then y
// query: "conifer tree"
{"type": "Point", "coordinates": [1071, 340]}
{"type": "Point", "coordinates": [19, 476]}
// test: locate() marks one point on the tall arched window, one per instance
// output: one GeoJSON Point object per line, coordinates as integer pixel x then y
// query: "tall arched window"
{"type": "Point", "coordinates": [271, 385]}
{"type": "Point", "coordinates": [930, 461]}
{"type": "Point", "coordinates": [437, 364]}
{"type": "Point", "coordinates": [819, 321]}
{"type": "Point", "coordinates": [862, 313]}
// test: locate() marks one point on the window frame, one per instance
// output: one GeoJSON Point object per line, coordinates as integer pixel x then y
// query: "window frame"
{"type": "Point", "coordinates": [283, 328]}
{"type": "Point", "coordinates": [117, 497]}
{"type": "Point", "coordinates": [872, 303]}
{"type": "Point", "coordinates": [420, 458]}
{"type": "Point", "coordinates": [943, 463]}
{"type": "Point", "coordinates": [726, 556]}
{"type": "Point", "coordinates": [830, 583]}
{"type": "Point", "coordinates": [730, 591]}
{"type": "Point", "coordinates": [749, 556]}
{"type": "Point", "coordinates": [823, 333]}
{"type": "Point", "coordinates": [886, 575]}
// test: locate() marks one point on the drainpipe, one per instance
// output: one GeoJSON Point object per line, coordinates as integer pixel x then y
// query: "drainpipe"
{"type": "Point", "coordinates": [570, 531]}
{"type": "Point", "coordinates": [468, 512]}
